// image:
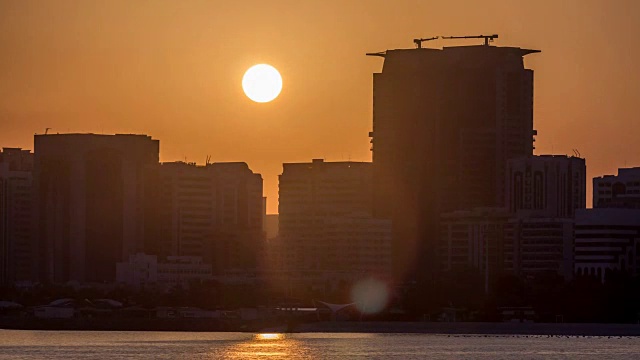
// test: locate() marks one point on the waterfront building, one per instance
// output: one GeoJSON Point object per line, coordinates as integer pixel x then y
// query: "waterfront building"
{"type": "Point", "coordinates": [622, 190]}
{"type": "Point", "coordinates": [445, 123]}
{"type": "Point", "coordinates": [214, 211]}
{"type": "Point", "coordinates": [16, 220]}
{"type": "Point", "coordinates": [551, 186]}
{"type": "Point", "coordinates": [326, 226]}
{"type": "Point", "coordinates": [88, 196]}
{"type": "Point", "coordinates": [538, 246]}
{"type": "Point", "coordinates": [607, 240]}
{"type": "Point", "coordinates": [147, 271]}
{"type": "Point", "coordinates": [473, 239]}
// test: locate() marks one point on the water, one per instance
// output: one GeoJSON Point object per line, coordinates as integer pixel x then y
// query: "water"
{"type": "Point", "coordinates": [180, 345]}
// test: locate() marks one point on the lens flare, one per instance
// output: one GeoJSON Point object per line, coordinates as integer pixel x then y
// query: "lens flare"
{"type": "Point", "coordinates": [370, 295]}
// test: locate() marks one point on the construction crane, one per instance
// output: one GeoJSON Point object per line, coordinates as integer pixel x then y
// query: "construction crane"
{"type": "Point", "coordinates": [381, 54]}
{"type": "Point", "coordinates": [487, 38]}
{"type": "Point", "coordinates": [419, 42]}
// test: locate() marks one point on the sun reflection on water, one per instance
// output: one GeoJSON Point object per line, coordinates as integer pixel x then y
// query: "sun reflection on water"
{"type": "Point", "coordinates": [268, 345]}
{"type": "Point", "coordinates": [269, 337]}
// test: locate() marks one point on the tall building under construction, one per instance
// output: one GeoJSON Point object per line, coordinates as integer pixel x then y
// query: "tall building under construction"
{"type": "Point", "coordinates": [445, 122]}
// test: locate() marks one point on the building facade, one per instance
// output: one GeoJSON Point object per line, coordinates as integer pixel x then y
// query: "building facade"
{"type": "Point", "coordinates": [89, 191]}
{"type": "Point", "coordinates": [607, 240]}
{"type": "Point", "coordinates": [551, 186]}
{"type": "Point", "coordinates": [326, 226]}
{"type": "Point", "coordinates": [16, 207]}
{"type": "Point", "coordinates": [622, 190]}
{"type": "Point", "coordinates": [537, 246]}
{"type": "Point", "coordinates": [473, 239]}
{"type": "Point", "coordinates": [445, 122]}
{"type": "Point", "coordinates": [214, 211]}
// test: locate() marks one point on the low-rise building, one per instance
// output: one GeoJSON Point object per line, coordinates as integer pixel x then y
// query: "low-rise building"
{"type": "Point", "coordinates": [475, 239]}
{"type": "Point", "coordinates": [622, 190]}
{"type": "Point", "coordinates": [144, 270]}
{"type": "Point", "coordinates": [538, 246]}
{"type": "Point", "coordinates": [607, 240]}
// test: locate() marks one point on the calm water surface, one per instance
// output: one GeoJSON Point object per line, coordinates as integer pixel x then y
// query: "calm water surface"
{"type": "Point", "coordinates": [168, 345]}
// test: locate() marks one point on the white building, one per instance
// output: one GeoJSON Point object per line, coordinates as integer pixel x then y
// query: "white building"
{"type": "Point", "coordinates": [144, 270]}
{"type": "Point", "coordinates": [607, 240]}
{"type": "Point", "coordinates": [622, 190]}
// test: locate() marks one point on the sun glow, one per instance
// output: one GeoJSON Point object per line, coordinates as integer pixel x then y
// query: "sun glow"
{"type": "Point", "coordinates": [262, 83]}
{"type": "Point", "coordinates": [269, 336]}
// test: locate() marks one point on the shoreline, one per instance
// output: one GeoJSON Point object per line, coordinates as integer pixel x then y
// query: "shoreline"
{"type": "Point", "coordinates": [470, 328]}
{"type": "Point", "coordinates": [209, 325]}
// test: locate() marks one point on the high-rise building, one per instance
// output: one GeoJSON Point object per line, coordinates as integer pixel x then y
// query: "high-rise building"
{"type": "Point", "coordinates": [89, 191]}
{"type": "Point", "coordinates": [325, 222]}
{"type": "Point", "coordinates": [183, 210]}
{"type": "Point", "coordinates": [607, 240]}
{"type": "Point", "coordinates": [214, 211]}
{"type": "Point", "coordinates": [16, 247]}
{"type": "Point", "coordinates": [238, 237]}
{"type": "Point", "coordinates": [445, 122]}
{"type": "Point", "coordinates": [621, 191]}
{"type": "Point", "coordinates": [552, 186]}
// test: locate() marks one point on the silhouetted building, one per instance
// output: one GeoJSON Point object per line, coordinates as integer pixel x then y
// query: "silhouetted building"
{"type": "Point", "coordinates": [89, 194]}
{"type": "Point", "coordinates": [214, 211]}
{"type": "Point", "coordinates": [607, 240]}
{"type": "Point", "coordinates": [16, 201]}
{"type": "Point", "coordinates": [538, 246]}
{"type": "Point", "coordinates": [473, 239]}
{"type": "Point", "coordinates": [445, 122]}
{"type": "Point", "coordinates": [543, 192]}
{"type": "Point", "coordinates": [239, 238]}
{"type": "Point", "coordinates": [551, 186]}
{"type": "Point", "coordinates": [185, 210]}
{"type": "Point", "coordinates": [271, 225]}
{"type": "Point", "coordinates": [325, 222]}
{"type": "Point", "coordinates": [620, 191]}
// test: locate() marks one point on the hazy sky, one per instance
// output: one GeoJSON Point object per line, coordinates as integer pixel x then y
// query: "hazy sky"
{"type": "Point", "coordinates": [173, 70]}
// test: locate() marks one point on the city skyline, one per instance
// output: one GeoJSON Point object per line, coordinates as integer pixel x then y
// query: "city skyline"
{"type": "Point", "coordinates": [177, 78]}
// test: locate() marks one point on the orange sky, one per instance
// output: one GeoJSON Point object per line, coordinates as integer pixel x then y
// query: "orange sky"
{"type": "Point", "coordinates": [173, 70]}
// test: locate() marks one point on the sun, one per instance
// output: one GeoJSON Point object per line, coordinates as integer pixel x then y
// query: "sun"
{"type": "Point", "coordinates": [262, 83]}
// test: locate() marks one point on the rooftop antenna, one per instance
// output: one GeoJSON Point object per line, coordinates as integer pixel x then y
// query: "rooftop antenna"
{"type": "Point", "coordinates": [579, 155]}
{"type": "Point", "coordinates": [487, 38]}
{"type": "Point", "coordinates": [46, 130]}
{"type": "Point", "coordinates": [208, 161]}
{"type": "Point", "coordinates": [419, 42]}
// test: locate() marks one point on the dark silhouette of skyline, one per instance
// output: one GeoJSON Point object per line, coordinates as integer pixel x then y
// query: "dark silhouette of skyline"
{"type": "Point", "coordinates": [173, 71]}
{"type": "Point", "coordinates": [460, 214]}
